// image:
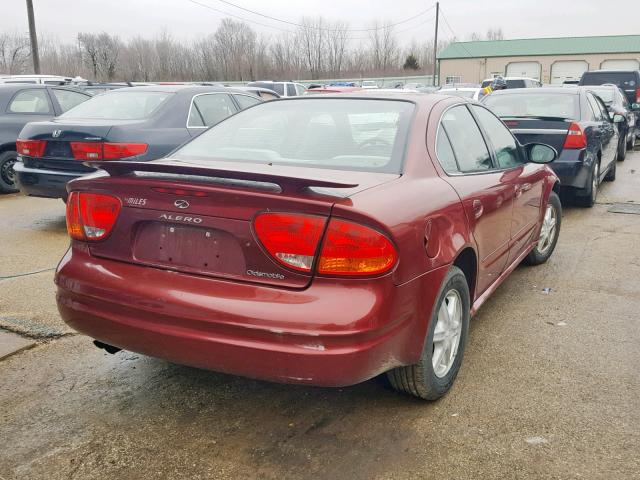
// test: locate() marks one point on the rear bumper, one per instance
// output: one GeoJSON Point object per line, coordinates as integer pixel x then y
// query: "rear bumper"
{"type": "Point", "coordinates": [43, 183]}
{"type": "Point", "coordinates": [572, 168]}
{"type": "Point", "coordinates": [330, 334]}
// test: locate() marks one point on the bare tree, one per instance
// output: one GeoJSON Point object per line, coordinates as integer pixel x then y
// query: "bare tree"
{"type": "Point", "coordinates": [311, 37]}
{"type": "Point", "coordinates": [14, 53]}
{"type": "Point", "coordinates": [384, 47]}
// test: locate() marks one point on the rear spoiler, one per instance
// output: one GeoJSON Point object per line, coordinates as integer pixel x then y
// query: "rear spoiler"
{"type": "Point", "coordinates": [287, 182]}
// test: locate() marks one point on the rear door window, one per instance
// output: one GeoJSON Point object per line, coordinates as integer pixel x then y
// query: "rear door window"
{"type": "Point", "coordinates": [468, 145]}
{"type": "Point", "coordinates": [595, 108]}
{"type": "Point", "coordinates": [246, 101]}
{"type": "Point", "coordinates": [444, 152]}
{"type": "Point", "coordinates": [291, 90]}
{"type": "Point", "coordinates": [68, 99]}
{"type": "Point", "coordinates": [501, 139]}
{"type": "Point", "coordinates": [211, 108]}
{"type": "Point", "coordinates": [31, 101]}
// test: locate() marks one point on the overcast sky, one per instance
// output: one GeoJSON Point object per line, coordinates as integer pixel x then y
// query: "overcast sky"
{"type": "Point", "coordinates": [63, 19]}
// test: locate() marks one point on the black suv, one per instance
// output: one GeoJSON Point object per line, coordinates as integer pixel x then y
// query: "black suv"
{"type": "Point", "coordinates": [627, 80]}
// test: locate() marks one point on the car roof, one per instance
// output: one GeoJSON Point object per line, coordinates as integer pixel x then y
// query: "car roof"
{"type": "Point", "coordinates": [532, 91]}
{"type": "Point", "coordinates": [186, 89]}
{"type": "Point", "coordinates": [422, 99]}
{"type": "Point", "coordinates": [463, 89]}
{"type": "Point", "coordinates": [610, 71]}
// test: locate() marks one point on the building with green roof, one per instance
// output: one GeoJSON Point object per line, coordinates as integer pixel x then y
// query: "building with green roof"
{"type": "Point", "coordinates": [549, 60]}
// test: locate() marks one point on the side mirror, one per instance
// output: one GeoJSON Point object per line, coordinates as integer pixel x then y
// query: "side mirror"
{"type": "Point", "coordinates": [635, 106]}
{"type": "Point", "coordinates": [617, 118]}
{"type": "Point", "coordinates": [540, 153]}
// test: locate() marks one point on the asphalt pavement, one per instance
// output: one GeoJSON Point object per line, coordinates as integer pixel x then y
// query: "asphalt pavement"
{"type": "Point", "coordinates": [549, 387]}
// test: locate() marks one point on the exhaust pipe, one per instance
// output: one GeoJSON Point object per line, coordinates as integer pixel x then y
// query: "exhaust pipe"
{"type": "Point", "coordinates": [106, 347]}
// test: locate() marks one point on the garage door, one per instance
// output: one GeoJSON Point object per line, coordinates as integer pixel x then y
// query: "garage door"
{"type": "Point", "coordinates": [620, 65]}
{"type": "Point", "coordinates": [524, 69]}
{"type": "Point", "coordinates": [567, 70]}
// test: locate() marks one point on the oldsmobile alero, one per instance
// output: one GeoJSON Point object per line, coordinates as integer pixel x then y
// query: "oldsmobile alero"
{"type": "Point", "coordinates": [318, 240]}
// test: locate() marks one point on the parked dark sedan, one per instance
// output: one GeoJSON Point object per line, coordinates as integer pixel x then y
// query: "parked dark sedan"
{"type": "Point", "coordinates": [144, 123]}
{"type": "Point", "coordinates": [23, 103]}
{"type": "Point", "coordinates": [575, 122]}
{"type": "Point", "coordinates": [617, 103]}
{"type": "Point", "coordinates": [320, 240]}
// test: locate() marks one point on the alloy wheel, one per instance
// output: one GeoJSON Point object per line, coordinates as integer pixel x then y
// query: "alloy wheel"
{"type": "Point", "coordinates": [447, 333]}
{"type": "Point", "coordinates": [548, 230]}
{"type": "Point", "coordinates": [594, 182]}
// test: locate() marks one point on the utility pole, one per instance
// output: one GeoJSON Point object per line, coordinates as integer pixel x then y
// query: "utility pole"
{"type": "Point", "coordinates": [435, 45]}
{"type": "Point", "coordinates": [34, 38]}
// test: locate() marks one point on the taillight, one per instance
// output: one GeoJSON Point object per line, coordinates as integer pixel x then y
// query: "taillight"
{"type": "Point", "coordinates": [113, 151]}
{"type": "Point", "coordinates": [31, 148]}
{"type": "Point", "coordinates": [291, 239]}
{"type": "Point", "coordinates": [106, 151]}
{"type": "Point", "coordinates": [576, 138]}
{"type": "Point", "coordinates": [348, 249]}
{"type": "Point", "coordinates": [638, 95]}
{"type": "Point", "coordinates": [353, 249]}
{"type": "Point", "coordinates": [91, 216]}
{"type": "Point", "coordinates": [86, 150]}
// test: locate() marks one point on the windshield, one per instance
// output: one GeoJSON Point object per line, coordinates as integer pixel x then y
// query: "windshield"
{"type": "Point", "coordinates": [119, 105]}
{"type": "Point", "coordinates": [343, 134]}
{"type": "Point", "coordinates": [534, 105]}
{"type": "Point", "coordinates": [459, 93]}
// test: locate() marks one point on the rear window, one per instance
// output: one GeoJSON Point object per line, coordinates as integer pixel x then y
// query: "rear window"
{"type": "Point", "coordinates": [341, 134]}
{"type": "Point", "coordinates": [624, 80]}
{"type": "Point", "coordinates": [534, 105]}
{"type": "Point", "coordinates": [516, 84]}
{"type": "Point", "coordinates": [120, 105]}
{"type": "Point", "coordinates": [606, 94]}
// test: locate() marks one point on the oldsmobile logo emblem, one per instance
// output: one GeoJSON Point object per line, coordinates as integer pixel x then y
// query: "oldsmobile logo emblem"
{"type": "Point", "coordinates": [181, 204]}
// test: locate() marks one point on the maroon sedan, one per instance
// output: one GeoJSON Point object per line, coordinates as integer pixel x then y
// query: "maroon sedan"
{"type": "Point", "coordinates": [318, 240]}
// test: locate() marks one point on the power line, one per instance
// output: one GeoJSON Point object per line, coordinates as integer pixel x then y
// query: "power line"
{"type": "Point", "coordinates": [332, 30]}
{"type": "Point", "coordinates": [329, 29]}
{"type": "Point", "coordinates": [444, 17]}
{"type": "Point", "coordinates": [446, 21]}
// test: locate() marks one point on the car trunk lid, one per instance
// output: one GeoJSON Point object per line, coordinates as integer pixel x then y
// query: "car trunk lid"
{"type": "Point", "coordinates": [199, 220]}
{"type": "Point", "coordinates": [549, 130]}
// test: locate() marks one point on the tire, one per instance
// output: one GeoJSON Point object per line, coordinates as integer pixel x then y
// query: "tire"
{"type": "Point", "coordinates": [622, 151]}
{"type": "Point", "coordinates": [421, 380]}
{"type": "Point", "coordinates": [588, 195]}
{"type": "Point", "coordinates": [7, 175]}
{"type": "Point", "coordinates": [550, 226]}
{"type": "Point", "coordinates": [611, 174]}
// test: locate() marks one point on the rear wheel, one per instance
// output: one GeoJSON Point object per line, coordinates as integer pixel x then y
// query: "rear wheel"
{"type": "Point", "coordinates": [549, 232]}
{"type": "Point", "coordinates": [622, 150]}
{"type": "Point", "coordinates": [611, 174]}
{"type": "Point", "coordinates": [441, 357]}
{"type": "Point", "coordinates": [7, 175]}
{"type": "Point", "coordinates": [588, 196]}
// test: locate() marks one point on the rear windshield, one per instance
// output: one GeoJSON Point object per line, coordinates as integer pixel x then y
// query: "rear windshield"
{"type": "Point", "coordinates": [342, 134]}
{"type": "Point", "coordinates": [516, 84]}
{"type": "Point", "coordinates": [458, 93]}
{"type": "Point", "coordinates": [120, 105]}
{"type": "Point", "coordinates": [624, 80]}
{"type": "Point", "coordinates": [534, 105]}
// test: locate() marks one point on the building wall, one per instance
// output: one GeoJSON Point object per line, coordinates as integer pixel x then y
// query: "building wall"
{"type": "Point", "coordinates": [474, 70]}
